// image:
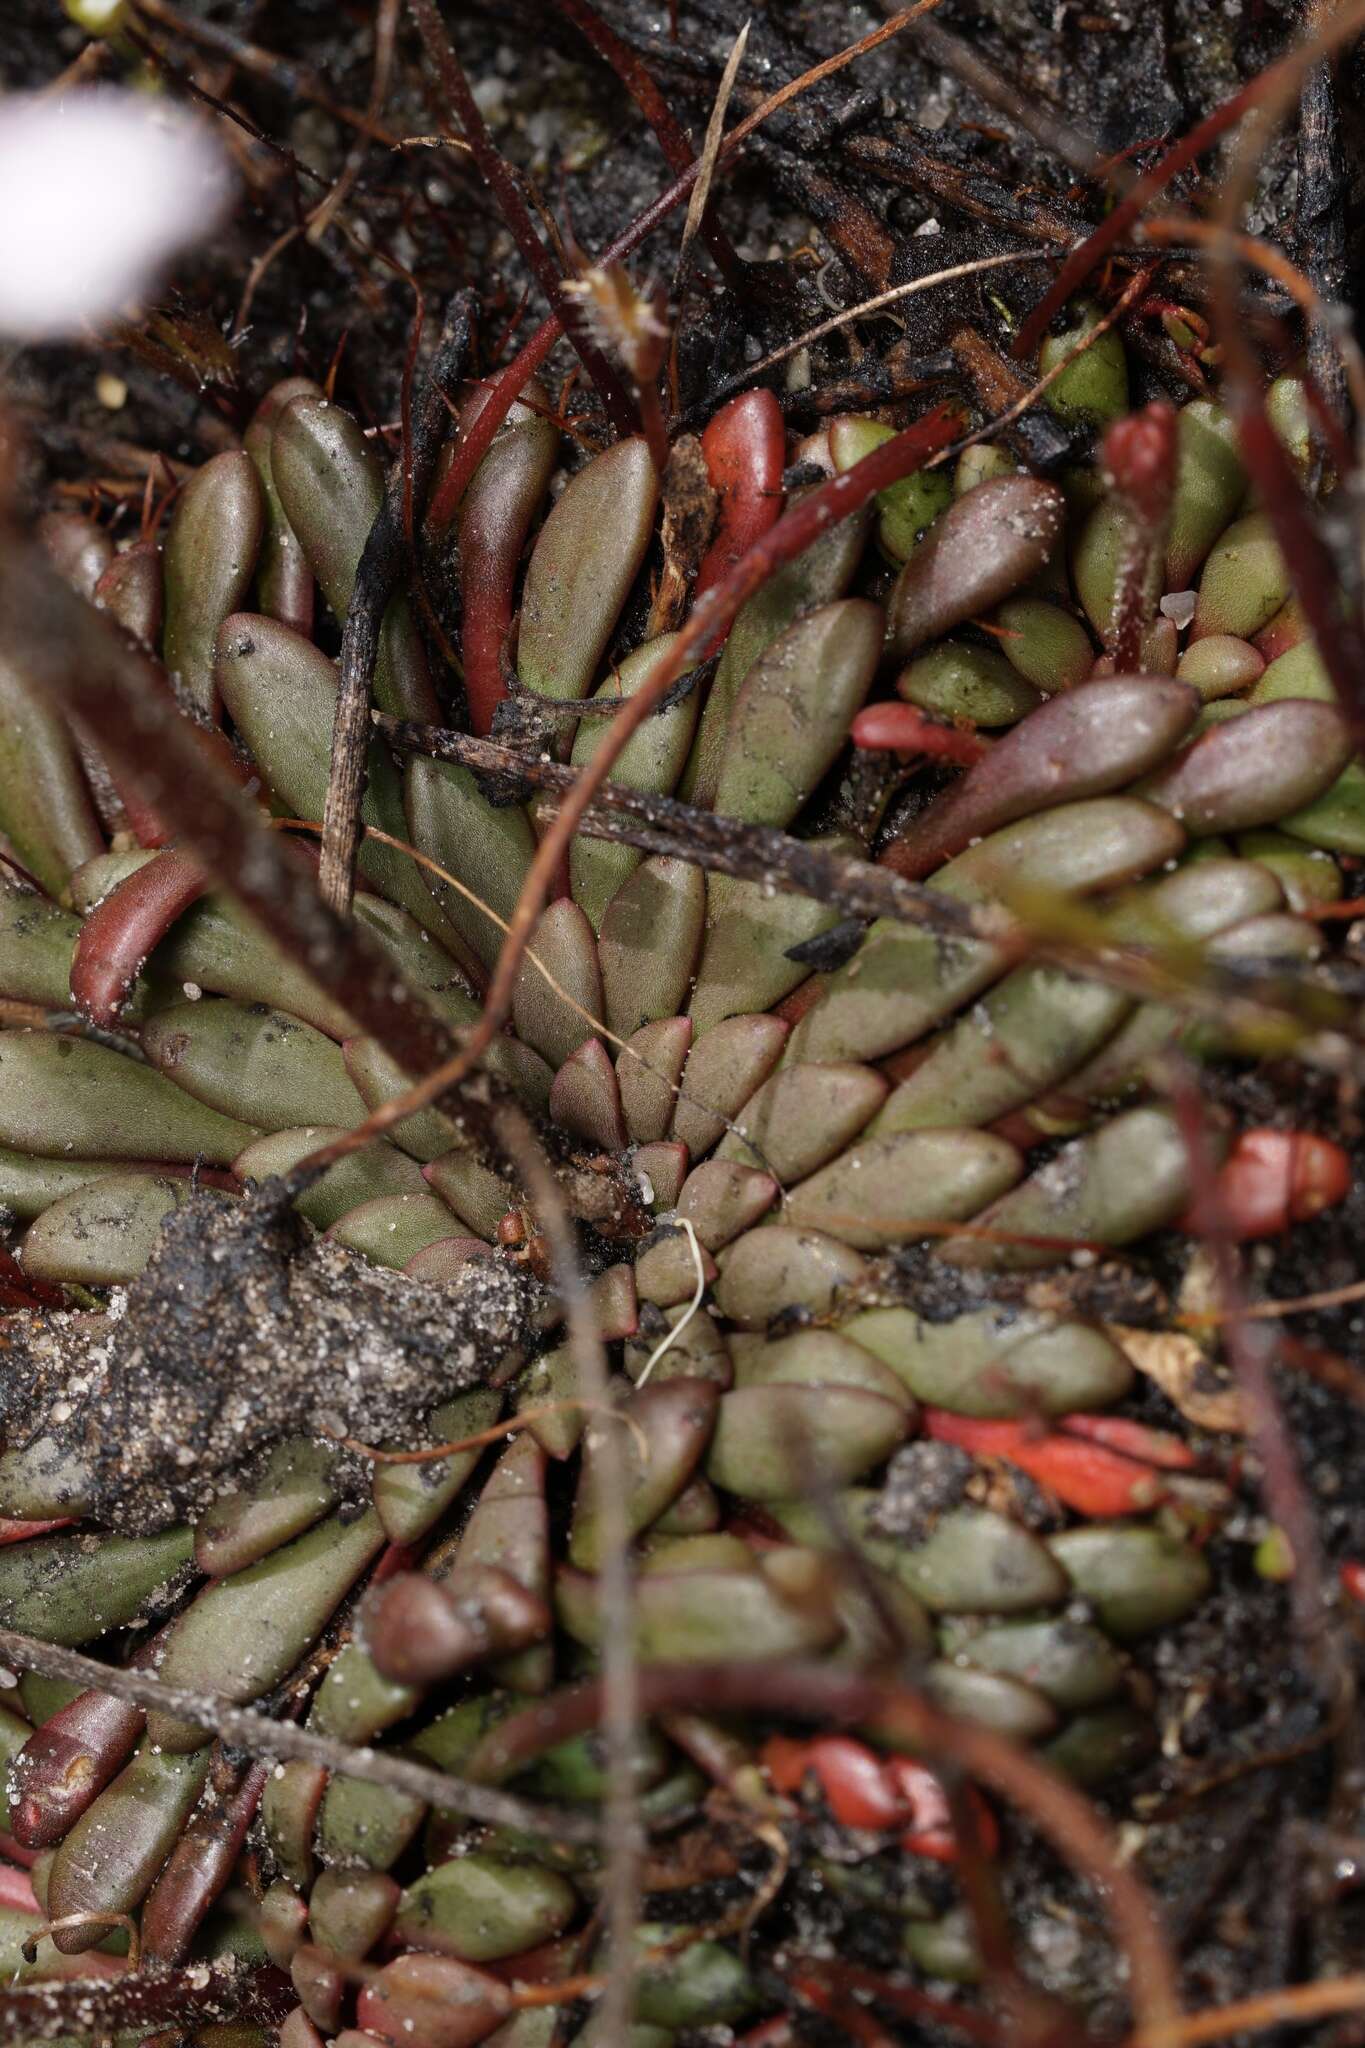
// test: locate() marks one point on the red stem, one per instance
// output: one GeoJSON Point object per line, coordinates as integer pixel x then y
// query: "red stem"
{"type": "Point", "coordinates": [1140, 455]}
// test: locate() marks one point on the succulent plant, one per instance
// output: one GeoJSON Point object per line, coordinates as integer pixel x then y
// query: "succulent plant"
{"type": "Point", "coordinates": [854, 1197]}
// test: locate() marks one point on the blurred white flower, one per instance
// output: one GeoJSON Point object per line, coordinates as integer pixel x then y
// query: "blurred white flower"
{"type": "Point", "coordinates": [97, 192]}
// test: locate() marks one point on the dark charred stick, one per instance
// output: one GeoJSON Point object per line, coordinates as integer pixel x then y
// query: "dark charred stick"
{"type": "Point", "coordinates": [89, 2008]}
{"type": "Point", "coordinates": [1040, 437]}
{"type": "Point", "coordinates": [967, 190]}
{"type": "Point", "coordinates": [441, 52]}
{"type": "Point", "coordinates": [1055, 133]}
{"type": "Point", "coordinates": [868, 248]}
{"type": "Point", "coordinates": [897, 376]}
{"type": "Point", "coordinates": [1320, 222]}
{"type": "Point", "coordinates": [857, 888]}
{"type": "Point", "coordinates": [258, 1735]}
{"type": "Point", "coordinates": [376, 578]}
{"type": "Point", "coordinates": [660, 824]}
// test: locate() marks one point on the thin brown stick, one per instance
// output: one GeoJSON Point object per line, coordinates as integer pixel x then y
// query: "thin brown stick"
{"type": "Point", "coordinates": [258, 1735]}
{"type": "Point", "coordinates": [657, 824]}
{"type": "Point", "coordinates": [857, 888]}
{"type": "Point", "coordinates": [1271, 1311]}
{"type": "Point", "coordinates": [497, 1433]}
{"type": "Point", "coordinates": [376, 579]}
{"type": "Point", "coordinates": [106, 1922]}
{"type": "Point", "coordinates": [620, 1692]}
{"type": "Point", "coordinates": [1295, 2007]}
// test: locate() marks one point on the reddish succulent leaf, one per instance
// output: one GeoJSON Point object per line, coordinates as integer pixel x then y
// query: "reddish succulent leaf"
{"type": "Point", "coordinates": [121, 931]}
{"type": "Point", "coordinates": [744, 448]}
{"type": "Point", "coordinates": [19, 1532]}
{"type": "Point", "coordinates": [1271, 1179]}
{"type": "Point", "coordinates": [930, 1832]}
{"type": "Point", "coordinates": [1081, 743]}
{"type": "Point", "coordinates": [906, 729]}
{"type": "Point", "coordinates": [72, 1757]}
{"type": "Point", "coordinates": [427, 2001]}
{"type": "Point", "coordinates": [1134, 1440]}
{"type": "Point", "coordinates": [494, 521]}
{"type": "Point", "coordinates": [851, 1776]}
{"type": "Point", "coordinates": [1088, 1477]}
{"type": "Point", "coordinates": [198, 1868]}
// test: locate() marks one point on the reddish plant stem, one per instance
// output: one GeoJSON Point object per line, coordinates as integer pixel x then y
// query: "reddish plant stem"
{"type": "Point", "coordinates": [1140, 455]}
{"type": "Point", "coordinates": [500, 182]}
{"type": "Point", "coordinates": [905, 729]}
